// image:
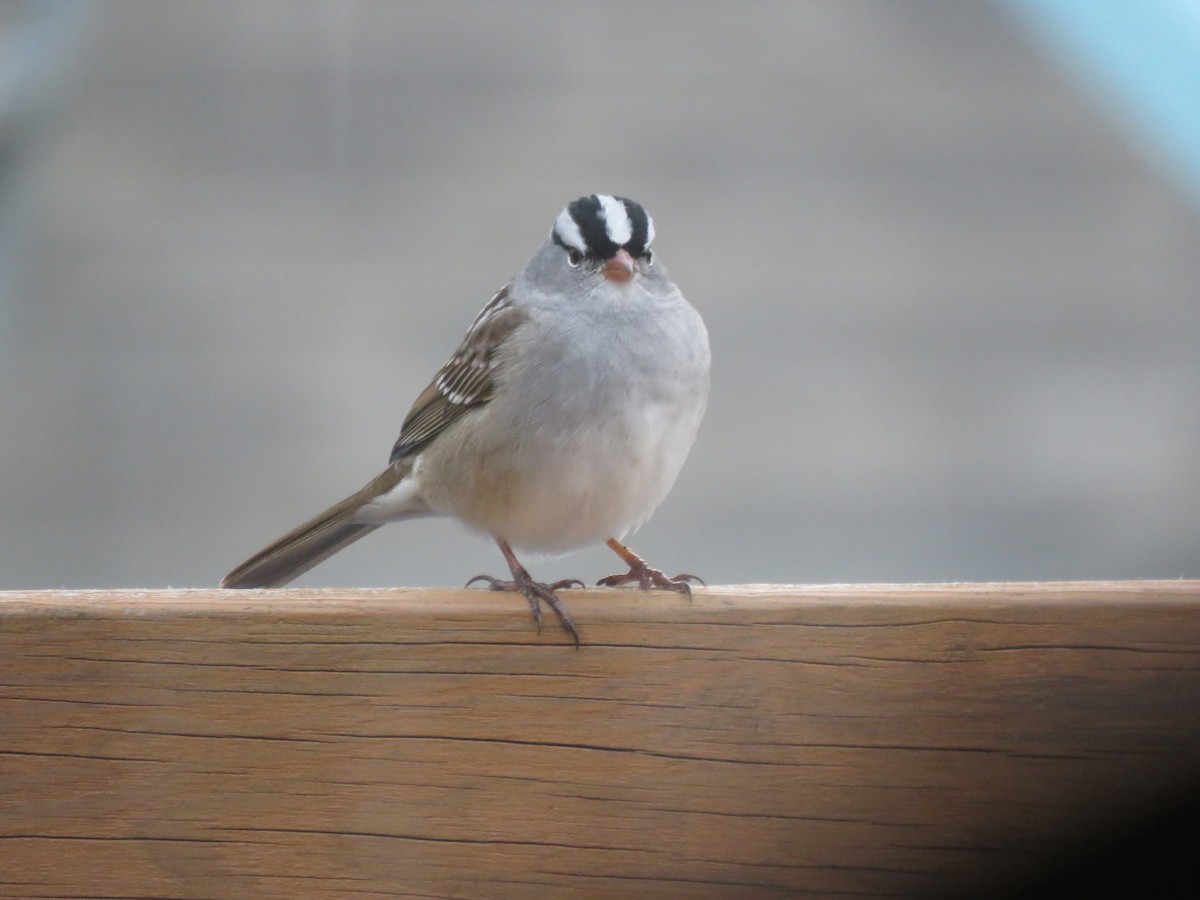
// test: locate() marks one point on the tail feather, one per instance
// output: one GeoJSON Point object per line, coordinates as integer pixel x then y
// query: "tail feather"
{"type": "Point", "coordinates": [314, 541]}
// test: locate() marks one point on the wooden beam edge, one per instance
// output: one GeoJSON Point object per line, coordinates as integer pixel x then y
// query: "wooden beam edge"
{"type": "Point", "coordinates": [602, 604]}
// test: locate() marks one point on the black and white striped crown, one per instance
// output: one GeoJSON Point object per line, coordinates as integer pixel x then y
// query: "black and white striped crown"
{"type": "Point", "coordinates": [600, 225]}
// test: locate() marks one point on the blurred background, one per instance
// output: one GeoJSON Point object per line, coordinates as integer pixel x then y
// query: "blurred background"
{"type": "Point", "coordinates": [948, 253]}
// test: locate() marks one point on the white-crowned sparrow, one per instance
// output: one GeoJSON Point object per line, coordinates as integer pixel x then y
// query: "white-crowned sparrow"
{"type": "Point", "coordinates": [561, 420]}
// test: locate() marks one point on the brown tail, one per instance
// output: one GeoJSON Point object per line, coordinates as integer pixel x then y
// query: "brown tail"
{"type": "Point", "coordinates": [314, 541]}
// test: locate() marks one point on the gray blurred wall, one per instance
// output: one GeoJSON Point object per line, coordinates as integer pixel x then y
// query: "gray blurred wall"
{"type": "Point", "coordinates": [953, 313]}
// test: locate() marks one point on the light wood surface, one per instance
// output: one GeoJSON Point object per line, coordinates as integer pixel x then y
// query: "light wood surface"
{"type": "Point", "coordinates": [862, 740]}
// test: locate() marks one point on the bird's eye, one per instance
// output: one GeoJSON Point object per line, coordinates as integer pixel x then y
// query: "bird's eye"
{"type": "Point", "coordinates": [648, 256]}
{"type": "Point", "coordinates": [574, 257]}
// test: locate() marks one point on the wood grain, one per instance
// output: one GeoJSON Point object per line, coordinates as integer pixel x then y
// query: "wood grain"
{"type": "Point", "coordinates": [865, 740]}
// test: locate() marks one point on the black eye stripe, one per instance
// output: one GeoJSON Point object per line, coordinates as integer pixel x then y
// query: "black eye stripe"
{"type": "Point", "coordinates": [636, 245]}
{"type": "Point", "coordinates": [589, 216]}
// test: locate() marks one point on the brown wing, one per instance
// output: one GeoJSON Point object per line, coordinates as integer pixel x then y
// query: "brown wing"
{"type": "Point", "coordinates": [462, 383]}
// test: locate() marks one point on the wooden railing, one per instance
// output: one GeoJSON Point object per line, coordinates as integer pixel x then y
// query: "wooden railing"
{"type": "Point", "coordinates": [757, 741]}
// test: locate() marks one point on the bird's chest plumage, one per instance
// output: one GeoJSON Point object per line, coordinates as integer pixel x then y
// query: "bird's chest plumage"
{"type": "Point", "coordinates": [603, 415]}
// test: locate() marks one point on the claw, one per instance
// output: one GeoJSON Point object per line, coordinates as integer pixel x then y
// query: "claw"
{"type": "Point", "coordinates": [494, 583]}
{"type": "Point", "coordinates": [645, 576]}
{"type": "Point", "coordinates": [648, 578]}
{"type": "Point", "coordinates": [535, 592]}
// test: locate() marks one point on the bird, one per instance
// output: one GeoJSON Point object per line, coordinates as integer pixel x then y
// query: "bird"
{"type": "Point", "coordinates": [561, 421]}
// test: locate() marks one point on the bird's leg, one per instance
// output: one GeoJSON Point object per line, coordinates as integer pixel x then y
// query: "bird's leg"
{"type": "Point", "coordinates": [534, 591]}
{"type": "Point", "coordinates": [645, 576]}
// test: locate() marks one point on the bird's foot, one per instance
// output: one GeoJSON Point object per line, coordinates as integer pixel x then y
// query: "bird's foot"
{"type": "Point", "coordinates": [647, 578]}
{"type": "Point", "coordinates": [535, 592]}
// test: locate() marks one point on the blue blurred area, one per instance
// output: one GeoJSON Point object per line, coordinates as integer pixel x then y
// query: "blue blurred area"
{"type": "Point", "coordinates": [1140, 60]}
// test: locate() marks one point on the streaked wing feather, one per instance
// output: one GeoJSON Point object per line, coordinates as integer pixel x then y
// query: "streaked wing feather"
{"type": "Point", "coordinates": [465, 381]}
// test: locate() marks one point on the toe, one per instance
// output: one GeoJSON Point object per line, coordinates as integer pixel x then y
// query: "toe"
{"type": "Point", "coordinates": [494, 584]}
{"type": "Point", "coordinates": [567, 583]}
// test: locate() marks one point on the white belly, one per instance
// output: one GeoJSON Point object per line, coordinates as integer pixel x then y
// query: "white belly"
{"type": "Point", "coordinates": [584, 437]}
{"type": "Point", "coordinates": [552, 467]}
{"type": "Point", "coordinates": [606, 482]}
{"type": "Point", "coordinates": [563, 491]}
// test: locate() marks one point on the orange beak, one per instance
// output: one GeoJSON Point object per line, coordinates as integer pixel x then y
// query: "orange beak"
{"type": "Point", "coordinates": [621, 267]}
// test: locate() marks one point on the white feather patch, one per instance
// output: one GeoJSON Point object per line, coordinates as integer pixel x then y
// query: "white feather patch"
{"type": "Point", "coordinates": [616, 219]}
{"type": "Point", "coordinates": [568, 232]}
{"type": "Point", "coordinates": [649, 230]}
{"type": "Point", "coordinates": [401, 502]}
